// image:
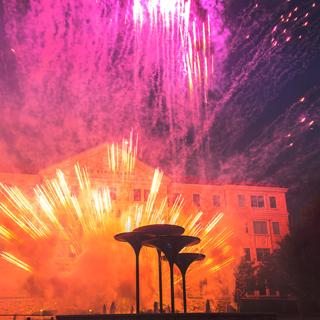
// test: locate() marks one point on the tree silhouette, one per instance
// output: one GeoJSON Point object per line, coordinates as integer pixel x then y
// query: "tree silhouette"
{"type": "Point", "coordinates": [245, 280]}
{"type": "Point", "coordinates": [299, 258]}
{"type": "Point", "coordinates": [294, 268]}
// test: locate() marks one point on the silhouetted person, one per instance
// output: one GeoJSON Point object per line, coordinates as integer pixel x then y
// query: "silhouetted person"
{"type": "Point", "coordinates": [104, 309]}
{"type": "Point", "coordinates": [131, 309]}
{"type": "Point", "coordinates": [113, 308]}
{"type": "Point", "coordinates": [208, 307]}
{"type": "Point", "coordinates": [155, 307]}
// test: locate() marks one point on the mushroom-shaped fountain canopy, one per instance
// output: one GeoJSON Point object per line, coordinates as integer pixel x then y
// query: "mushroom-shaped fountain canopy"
{"type": "Point", "coordinates": [135, 239]}
{"type": "Point", "coordinates": [161, 229]}
{"type": "Point", "coordinates": [171, 245]}
{"type": "Point", "coordinates": [184, 259]}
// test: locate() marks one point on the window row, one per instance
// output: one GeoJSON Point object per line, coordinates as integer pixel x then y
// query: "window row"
{"type": "Point", "coordinates": [112, 191]}
{"type": "Point", "coordinates": [261, 227]}
{"type": "Point", "coordinates": [257, 201]}
{"type": "Point", "coordinates": [196, 199]}
{"type": "Point", "coordinates": [138, 194]}
{"type": "Point", "coordinates": [261, 253]}
{"type": "Point", "coordinates": [216, 202]}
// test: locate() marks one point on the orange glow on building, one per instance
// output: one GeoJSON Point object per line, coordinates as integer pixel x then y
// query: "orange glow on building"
{"type": "Point", "coordinates": [255, 218]}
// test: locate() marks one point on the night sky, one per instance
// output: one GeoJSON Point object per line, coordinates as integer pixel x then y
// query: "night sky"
{"type": "Point", "coordinates": [75, 74]}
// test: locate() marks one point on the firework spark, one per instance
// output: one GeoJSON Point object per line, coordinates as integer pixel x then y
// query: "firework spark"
{"type": "Point", "coordinates": [15, 261]}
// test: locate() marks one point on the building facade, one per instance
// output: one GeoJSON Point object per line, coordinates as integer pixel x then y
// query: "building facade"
{"type": "Point", "coordinates": [258, 214]}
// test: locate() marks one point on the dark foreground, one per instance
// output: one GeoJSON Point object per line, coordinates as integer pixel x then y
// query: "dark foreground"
{"type": "Point", "coordinates": [169, 316]}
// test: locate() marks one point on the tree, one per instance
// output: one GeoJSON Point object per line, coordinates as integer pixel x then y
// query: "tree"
{"type": "Point", "coordinates": [271, 274]}
{"type": "Point", "coordinates": [299, 257]}
{"type": "Point", "coordinates": [245, 280]}
{"type": "Point", "coordinates": [294, 267]}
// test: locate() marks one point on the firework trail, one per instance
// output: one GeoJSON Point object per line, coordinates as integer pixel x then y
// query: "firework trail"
{"type": "Point", "coordinates": [200, 80]}
{"type": "Point", "coordinates": [270, 48]}
{"type": "Point", "coordinates": [155, 61]}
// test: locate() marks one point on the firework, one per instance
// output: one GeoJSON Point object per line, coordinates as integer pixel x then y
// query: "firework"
{"type": "Point", "coordinates": [198, 71]}
{"type": "Point", "coordinates": [55, 212]}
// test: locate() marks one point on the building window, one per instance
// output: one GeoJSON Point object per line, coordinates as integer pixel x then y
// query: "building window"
{"type": "Point", "coordinates": [241, 200]}
{"type": "Point", "coordinates": [247, 255]}
{"type": "Point", "coordinates": [257, 202]}
{"type": "Point", "coordinates": [146, 194]}
{"type": "Point", "coordinates": [262, 253]}
{"type": "Point", "coordinates": [137, 194]}
{"type": "Point", "coordinates": [246, 228]}
{"type": "Point", "coordinates": [216, 201]}
{"type": "Point", "coordinates": [260, 227]}
{"type": "Point", "coordinates": [196, 199]}
{"type": "Point", "coordinates": [276, 227]}
{"type": "Point", "coordinates": [273, 202]}
{"type": "Point", "coordinates": [113, 193]}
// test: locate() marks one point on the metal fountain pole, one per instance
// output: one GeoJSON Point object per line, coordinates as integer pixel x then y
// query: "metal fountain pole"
{"type": "Point", "coordinates": [171, 264]}
{"type": "Point", "coordinates": [137, 253]}
{"type": "Point", "coordinates": [184, 291]}
{"type": "Point", "coordinates": [135, 239]}
{"type": "Point", "coordinates": [183, 261]}
{"type": "Point", "coordinates": [160, 280]}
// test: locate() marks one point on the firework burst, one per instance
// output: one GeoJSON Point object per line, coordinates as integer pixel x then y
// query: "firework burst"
{"type": "Point", "coordinates": [82, 220]}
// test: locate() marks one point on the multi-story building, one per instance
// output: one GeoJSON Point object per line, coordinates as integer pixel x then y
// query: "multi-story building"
{"type": "Point", "coordinates": [258, 214]}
